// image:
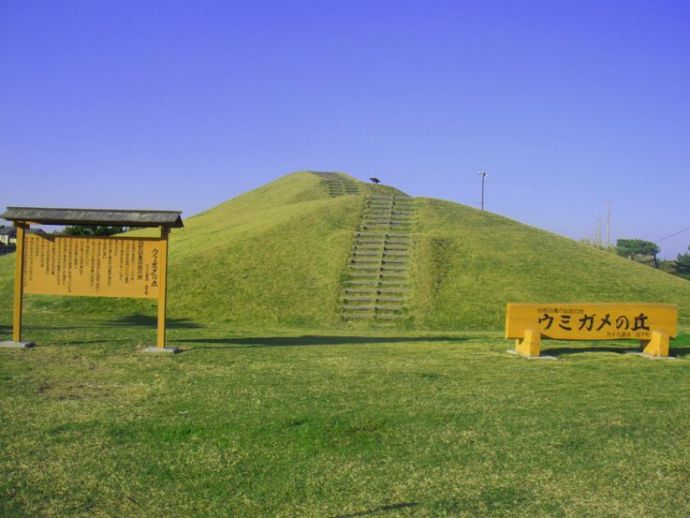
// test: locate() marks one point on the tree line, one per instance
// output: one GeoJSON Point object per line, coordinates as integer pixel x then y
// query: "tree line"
{"type": "Point", "coordinates": [646, 252]}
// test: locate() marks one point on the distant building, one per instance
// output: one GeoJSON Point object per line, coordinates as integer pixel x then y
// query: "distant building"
{"type": "Point", "coordinates": [8, 235]}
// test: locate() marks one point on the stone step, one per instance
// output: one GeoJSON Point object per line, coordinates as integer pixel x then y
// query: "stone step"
{"type": "Point", "coordinates": [391, 299]}
{"type": "Point", "coordinates": [374, 307]}
{"type": "Point", "coordinates": [377, 265]}
{"type": "Point", "coordinates": [385, 226]}
{"type": "Point", "coordinates": [351, 307]}
{"type": "Point", "coordinates": [376, 281]}
{"type": "Point", "coordinates": [374, 237]}
{"type": "Point", "coordinates": [372, 297]}
{"type": "Point", "coordinates": [366, 218]}
{"type": "Point", "coordinates": [366, 224]}
{"type": "Point", "coordinates": [383, 286]}
{"type": "Point", "coordinates": [387, 214]}
{"type": "Point", "coordinates": [378, 251]}
{"type": "Point", "coordinates": [388, 210]}
{"type": "Point", "coordinates": [389, 203]}
{"type": "Point", "coordinates": [365, 261]}
{"type": "Point", "coordinates": [367, 242]}
{"type": "Point", "coordinates": [372, 300]}
{"type": "Point", "coordinates": [371, 316]}
{"type": "Point", "coordinates": [386, 222]}
{"type": "Point", "coordinates": [374, 292]}
{"type": "Point", "coordinates": [383, 234]}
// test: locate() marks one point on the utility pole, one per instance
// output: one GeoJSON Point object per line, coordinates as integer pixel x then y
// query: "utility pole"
{"type": "Point", "coordinates": [483, 175]}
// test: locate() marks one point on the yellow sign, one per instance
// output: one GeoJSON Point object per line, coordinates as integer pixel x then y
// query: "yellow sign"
{"type": "Point", "coordinates": [591, 321]}
{"type": "Point", "coordinates": [93, 266]}
{"type": "Point", "coordinates": [652, 324]}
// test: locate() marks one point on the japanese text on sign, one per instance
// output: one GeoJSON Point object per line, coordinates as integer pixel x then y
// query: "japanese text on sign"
{"type": "Point", "coordinates": [93, 266]}
{"type": "Point", "coordinates": [591, 321]}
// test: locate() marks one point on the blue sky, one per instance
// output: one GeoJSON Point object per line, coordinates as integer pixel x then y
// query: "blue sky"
{"type": "Point", "coordinates": [182, 105]}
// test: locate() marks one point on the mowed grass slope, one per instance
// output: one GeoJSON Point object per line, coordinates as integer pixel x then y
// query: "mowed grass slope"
{"type": "Point", "coordinates": [273, 255]}
{"type": "Point", "coordinates": [471, 263]}
{"type": "Point", "coordinates": [277, 256]}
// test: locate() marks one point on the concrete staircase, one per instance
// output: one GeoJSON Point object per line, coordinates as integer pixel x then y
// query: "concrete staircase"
{"type": "Point", "coordinates": [377, 284]}
{"type": "Point", "coordinates": [338, 184]}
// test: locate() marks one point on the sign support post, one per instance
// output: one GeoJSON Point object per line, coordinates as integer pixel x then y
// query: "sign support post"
{"type": "Point", "coordinates": [16, 342]}
{"type": "Point", "coordinates": [162, 288]}
{"type": "Point", "coordinates": [162, 295]}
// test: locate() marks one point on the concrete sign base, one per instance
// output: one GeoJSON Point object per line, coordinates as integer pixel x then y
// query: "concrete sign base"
{"type": "Point", "coordinates": [161, 350]}
{"type": "Point", "coordinates": [16, 345]}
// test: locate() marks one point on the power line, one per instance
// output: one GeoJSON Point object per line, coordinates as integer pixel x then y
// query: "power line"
{"type": "Point", "coordinates": [673, 235]}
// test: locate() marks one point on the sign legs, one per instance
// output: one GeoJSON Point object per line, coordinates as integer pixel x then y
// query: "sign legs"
{"type": "Point", "coordinates": [162, 298]}
{"type": "Point", "coordinates": [658, 346]}
{"type": "Point", "coordinates": [163, 288]}
{"type": "Point", "coordinates": [530, 344]}
{"type": "Point", "coordinates": [16, 342]}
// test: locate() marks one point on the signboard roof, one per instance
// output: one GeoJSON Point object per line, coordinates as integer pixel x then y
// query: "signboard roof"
{"type": "Point", "coordinates": [127, 218]}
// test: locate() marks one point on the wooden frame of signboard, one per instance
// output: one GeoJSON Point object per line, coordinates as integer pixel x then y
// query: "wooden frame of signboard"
{"type": "Point", "coordinates": [101, 266]}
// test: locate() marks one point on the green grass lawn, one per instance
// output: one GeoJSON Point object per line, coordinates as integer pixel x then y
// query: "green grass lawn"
{"type": "Point", "coordinates": [302, 422]}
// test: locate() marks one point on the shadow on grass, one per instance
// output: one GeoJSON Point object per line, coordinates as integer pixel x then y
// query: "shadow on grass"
{"type": "Point", "coordinates": [296, 341]}
{"type": "Point", "coordinates": [151, 321]}
{"type": "Point", "coordinates": [564, 351]}
{"type": "Point", "coordinates": [380, 510]}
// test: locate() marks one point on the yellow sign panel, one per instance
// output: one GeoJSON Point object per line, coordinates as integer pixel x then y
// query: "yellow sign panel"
{"type": "Point", "coordinates": [93, 266]}
{"type": "Point", "coordinates": [591, 321]}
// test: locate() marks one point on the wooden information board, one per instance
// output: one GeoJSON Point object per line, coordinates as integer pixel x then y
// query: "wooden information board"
{"type": "Point", "coordinates": [92, 266]}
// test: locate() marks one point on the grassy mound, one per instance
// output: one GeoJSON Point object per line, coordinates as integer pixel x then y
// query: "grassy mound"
{"type": "Point", "coordinates": [276, 256]}
{"type": "Point", "coordinates": [471, 263]}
